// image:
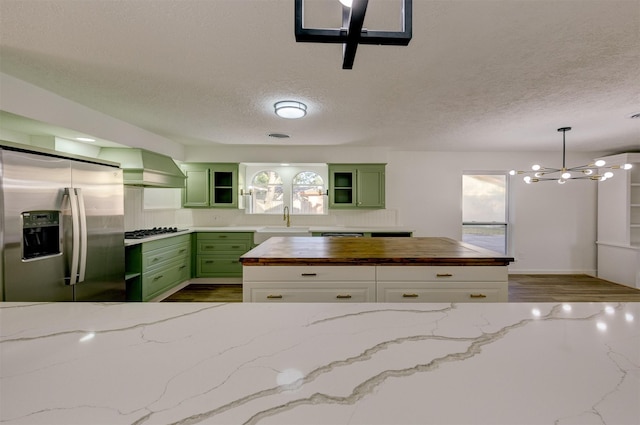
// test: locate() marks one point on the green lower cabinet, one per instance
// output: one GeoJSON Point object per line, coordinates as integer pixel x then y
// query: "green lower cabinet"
{"type": "Point", "coordinates": [218, 253]}
{"type": "Point", "coordinates": [154, 268]}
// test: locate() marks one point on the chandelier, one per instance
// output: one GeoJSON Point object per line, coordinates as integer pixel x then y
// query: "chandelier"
{"type": "Point", "coordinates": [591, 171]}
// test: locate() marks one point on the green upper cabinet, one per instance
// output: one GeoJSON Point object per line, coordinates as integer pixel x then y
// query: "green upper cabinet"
{"type": "Point", "coordinates": [356, 186]}
{"type": "Point", "coordinates": [210, 185]}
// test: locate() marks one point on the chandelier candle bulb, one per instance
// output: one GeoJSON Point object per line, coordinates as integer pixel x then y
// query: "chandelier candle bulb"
{"type": "Point", "coordinates": [581, 172]}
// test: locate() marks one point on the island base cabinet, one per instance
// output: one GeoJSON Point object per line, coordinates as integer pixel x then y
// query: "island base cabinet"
{"type": "Point", "coordinates": [309, 284]}
{"type": "Point", "coordinates": [438, 284]}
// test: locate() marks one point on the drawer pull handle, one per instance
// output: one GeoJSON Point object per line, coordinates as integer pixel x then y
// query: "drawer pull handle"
{"type": "Point", "coordinates": [309, 274]}
{"type": "Point", "coordinates": [209, 262]}
{"type": "Point", "coordinates": [410, 295]}
{"type": "Point", "coordinates": [209, 246]}
{"type": "Point", "coordinates": [272, 297]}
{"type": "Point", "coordinates": [182, 267]}
{"type": "Point", "coordinates": [158, 278]}
{"type": "Point", "coordinates": [155, 259]}
{"type": "Point", "coordinates": [477, 296]}
{"type": "Point", "coordinates": [222, 236]}
{"type": "Point", "coordinates": [235, 246]}
{"type": "Point", "coordinates": [182, 250]}
{"type": "Point", "coordinates": [346, 296]}
{"type": "Point", "coordinates": [444, 275]}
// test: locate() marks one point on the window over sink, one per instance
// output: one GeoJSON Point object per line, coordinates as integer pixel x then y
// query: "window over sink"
{"type": "Point", "coordinates": [301, 187]}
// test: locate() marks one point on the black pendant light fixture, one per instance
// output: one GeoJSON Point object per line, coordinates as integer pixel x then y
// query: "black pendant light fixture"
{"type": "Point", "coordinates": [352, 34]}
{"type": "Point", "coordinates": [591, 171]}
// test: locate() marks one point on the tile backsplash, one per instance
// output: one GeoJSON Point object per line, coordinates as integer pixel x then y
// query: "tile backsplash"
{"type": "Point", "coordinates": [137, 217]}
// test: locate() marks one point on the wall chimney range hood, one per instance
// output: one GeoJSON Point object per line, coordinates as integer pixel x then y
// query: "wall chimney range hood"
{"type": "Point", "coordinates": [145, 168]}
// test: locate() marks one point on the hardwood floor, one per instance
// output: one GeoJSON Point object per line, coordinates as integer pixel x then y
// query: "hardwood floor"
{"type": "Point", "coordinates": [522, 288]}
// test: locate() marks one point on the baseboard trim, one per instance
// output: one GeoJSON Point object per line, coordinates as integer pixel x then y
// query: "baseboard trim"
{"type": "Point", "coordinates": [591, 273]}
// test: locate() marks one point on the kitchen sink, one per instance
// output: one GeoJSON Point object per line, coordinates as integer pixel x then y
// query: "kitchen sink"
{"type": "Point", "coordinates": [264, 233]}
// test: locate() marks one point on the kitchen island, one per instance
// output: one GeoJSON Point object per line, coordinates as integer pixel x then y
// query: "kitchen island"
{"type": "Point", "coordinates": [349, 269]}
{"type": "Point", "coordinates": [212, 363]}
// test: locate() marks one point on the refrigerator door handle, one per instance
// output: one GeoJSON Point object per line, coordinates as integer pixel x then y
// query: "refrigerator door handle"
{"type": "Point", "coordinates": [75, 251]}
{"type": "Point", "coordinates": [82, 218]}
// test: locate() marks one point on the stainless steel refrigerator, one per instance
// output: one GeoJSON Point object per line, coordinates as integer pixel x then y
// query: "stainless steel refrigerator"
{"type": "Point", "coordinates": [61, 228]}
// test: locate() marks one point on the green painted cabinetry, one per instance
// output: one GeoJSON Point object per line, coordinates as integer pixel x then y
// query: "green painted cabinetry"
{"type": "Point", "coordinates": [210, 185]}
{"type": "Point", "coordinates": [218, 253]}
{"type": "Point", "coordinates": [357, 186]}
{"type": "Point", "coordinates": [155, 267]}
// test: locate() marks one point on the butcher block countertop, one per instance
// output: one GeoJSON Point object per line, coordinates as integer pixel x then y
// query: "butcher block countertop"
{"type": "Point", "coordinates": [378, 251]}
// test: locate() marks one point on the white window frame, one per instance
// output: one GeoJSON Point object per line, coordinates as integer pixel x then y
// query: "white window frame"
{"type": "Point", "coordinates": [507, 212]}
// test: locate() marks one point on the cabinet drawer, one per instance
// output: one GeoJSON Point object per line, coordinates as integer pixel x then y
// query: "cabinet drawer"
{"type": "Point", "coordinates": [165, 243]}
{"type": "Point", "coordinates": [440, 296]}
{"type": "Point", "coordinates": [156, 282]}
{"type": "Point", "coordinates": [436, 293]}
{"type": "Point", "coordinates": [158, 257]}
{"type": "Point", "coordinates": [208, 265]}
{"type": "Point", "coordinates": [304, 274]}
{"type": "Point", "coordinates": [225, 236]}
{"type": "Point", "coordinates": [226, 246]}
{"type": "Point", "coordinates": [346, 293]}
{"type": "Point", "coordinates": [443, 273]}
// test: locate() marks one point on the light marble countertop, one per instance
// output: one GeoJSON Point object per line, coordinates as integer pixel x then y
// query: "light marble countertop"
{"type": "Point", "coordinates": [213, 363]}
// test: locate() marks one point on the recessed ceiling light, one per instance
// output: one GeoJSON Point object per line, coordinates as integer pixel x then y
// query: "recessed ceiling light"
{"type": "Point", "coordinates": [85, 139]}
{"type": "Point", "coordinates": [290, 109]}
{"type": "Point", "coordinates": [636, 115]}
{"type": "Point", "coordinates": [279, 135]}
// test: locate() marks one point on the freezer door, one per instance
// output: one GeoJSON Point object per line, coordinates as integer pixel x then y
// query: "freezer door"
{"type": "Point", "coordinates": [100, 193]}
{"type": "Point", "coordinates": [31, 183]}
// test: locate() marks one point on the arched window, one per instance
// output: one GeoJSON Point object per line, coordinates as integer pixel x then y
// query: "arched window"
{"type": "Point", "coordinates": [307, 193]}
{"type": "Point", "coordinates": [268, 196]}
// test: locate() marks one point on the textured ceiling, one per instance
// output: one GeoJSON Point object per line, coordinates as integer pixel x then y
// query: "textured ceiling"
{"type": "Point", "coordinates": [477, 76]}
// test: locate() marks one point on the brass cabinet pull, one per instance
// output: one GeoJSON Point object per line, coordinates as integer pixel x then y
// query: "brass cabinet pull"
{"type": "Point", "coordinates": [444, 275]}
{"type": "Point", "coordinates": [346, 296]}
{"type": "Point", "coordinates": [309, 274]}
{"type": "Point", "coordinates": [274, 296]}
{"type": "Point", "coordinates": [158, 278]}
{"type": "Point", "coordinates": [410, 295]}
{"type": "Point", "coordinates": [477, 296]}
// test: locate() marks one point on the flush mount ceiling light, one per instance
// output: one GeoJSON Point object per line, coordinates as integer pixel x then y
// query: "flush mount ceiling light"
{"type": "Point", "coordinates": [351, 34]}
{"type": "Point", "coordinates": [589, 171]}
{"type": "Point", "coordinates": [290, 109]}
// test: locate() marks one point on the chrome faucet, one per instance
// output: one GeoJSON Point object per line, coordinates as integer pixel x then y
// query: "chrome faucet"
{"type": "Point", "coordinates": [286, 216]}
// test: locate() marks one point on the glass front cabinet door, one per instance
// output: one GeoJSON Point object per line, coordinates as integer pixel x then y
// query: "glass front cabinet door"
{"type": "Point", "coordinates": [357, 186]}
{"type": "Point", "coordinates": [210, 185]}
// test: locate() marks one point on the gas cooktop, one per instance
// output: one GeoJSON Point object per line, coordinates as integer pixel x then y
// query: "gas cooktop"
{"type": "Point", "coordinates": [146, 233]}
